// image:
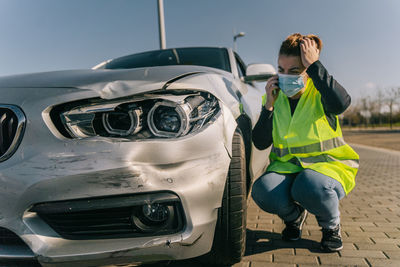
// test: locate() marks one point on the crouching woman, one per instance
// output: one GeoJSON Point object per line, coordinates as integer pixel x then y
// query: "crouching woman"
{"type": "Point", "coordinates": [311, 167]}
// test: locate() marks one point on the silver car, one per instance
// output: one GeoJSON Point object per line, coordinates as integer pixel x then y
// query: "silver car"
{"type": "Point", "coordinates": [143, 158]}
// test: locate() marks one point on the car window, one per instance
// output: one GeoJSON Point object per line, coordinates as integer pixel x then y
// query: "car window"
{"type": "Point", "coordinates": [202, 56]}
{"type": "Point", "coordinates": [240, 71]}
{"type": "Point", "coordinates": [240, 66]}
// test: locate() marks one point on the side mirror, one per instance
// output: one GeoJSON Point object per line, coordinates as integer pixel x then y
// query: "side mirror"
{"type": "Point", "coordinates": [259, 72]}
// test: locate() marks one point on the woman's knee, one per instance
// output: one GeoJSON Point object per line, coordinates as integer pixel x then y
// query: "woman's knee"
{"type": "Point", "coordinates": [271, 192]}
{"type": "Point", "coordinates": [316, 192]}
{"type": "Point", "coordinates": [310, 186]}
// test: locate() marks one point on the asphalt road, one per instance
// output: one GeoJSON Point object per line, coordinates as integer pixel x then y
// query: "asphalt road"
{"type": "Point", "coordinates": [384, 138]}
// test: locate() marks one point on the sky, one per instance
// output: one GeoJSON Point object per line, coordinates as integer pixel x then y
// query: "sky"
{"type": "Point", "coordinates": [361, 37]}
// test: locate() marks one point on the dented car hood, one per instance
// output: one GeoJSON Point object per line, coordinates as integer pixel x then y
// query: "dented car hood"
{"type": "Point", "coordinates": [108, 83]}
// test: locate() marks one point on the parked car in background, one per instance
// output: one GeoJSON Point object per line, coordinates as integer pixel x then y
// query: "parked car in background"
{"type": "Point", "coordinates": [143, 158]}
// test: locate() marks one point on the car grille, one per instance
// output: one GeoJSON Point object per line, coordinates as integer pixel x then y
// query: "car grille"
{"type": "Point", "coordinates": [111, 217]}
{"type": "Point", "coordinates": [92, 223]}
{"type": "Point", "coordinates": [12, 125]}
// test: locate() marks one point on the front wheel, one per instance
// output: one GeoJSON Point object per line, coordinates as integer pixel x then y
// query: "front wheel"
{"type": "Point", "coordinates": [230, 233]}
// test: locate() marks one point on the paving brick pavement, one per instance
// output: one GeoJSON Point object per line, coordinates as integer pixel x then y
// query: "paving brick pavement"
{"type": "Point", "coordinates": [370, 217]}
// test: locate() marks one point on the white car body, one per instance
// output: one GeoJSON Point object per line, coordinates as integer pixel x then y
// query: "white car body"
{"type": "Point", "coordinates": [49, 170]}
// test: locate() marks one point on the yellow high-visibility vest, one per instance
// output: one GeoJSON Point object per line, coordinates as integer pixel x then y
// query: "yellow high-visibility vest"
{"type": "Point", "coordinates": [307, 141]}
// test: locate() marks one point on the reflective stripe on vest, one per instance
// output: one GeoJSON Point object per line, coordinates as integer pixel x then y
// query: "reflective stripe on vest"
{"type": "Point", "coordinates": [300, 161]}
{"type": "Point", "coordinates": [354, 163]}
{"type": "Point", "coordinates": [316, 147]}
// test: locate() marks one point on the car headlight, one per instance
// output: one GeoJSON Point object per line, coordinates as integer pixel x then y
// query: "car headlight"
{"type": "Point", "coordinates": [123, 123]}
{"type": "Point", "coordinates": [169, 119]}
{"type": "Point", "coordinates": [162, 116]}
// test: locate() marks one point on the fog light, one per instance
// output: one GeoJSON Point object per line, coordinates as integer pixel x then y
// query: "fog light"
{"type": "Point", "coordinates": [155, 212]}
{"type": "Point", "coordinates": [154, 217]}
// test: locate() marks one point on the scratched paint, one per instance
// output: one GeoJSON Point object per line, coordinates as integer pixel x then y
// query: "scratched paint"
{"type": "Point", "coordinates": [48, 167]}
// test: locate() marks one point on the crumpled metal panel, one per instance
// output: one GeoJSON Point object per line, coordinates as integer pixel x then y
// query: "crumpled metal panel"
{"type": "Point", "coordinates": [108, 84]}
{"type": "Point", "coordinates": [50, 169]}
{"type": "Point", "coordinates": [47, 167]}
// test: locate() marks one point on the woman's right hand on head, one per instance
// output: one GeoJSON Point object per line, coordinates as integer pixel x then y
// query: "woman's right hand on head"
{"type": "Point", "coordinates": [272, 89]}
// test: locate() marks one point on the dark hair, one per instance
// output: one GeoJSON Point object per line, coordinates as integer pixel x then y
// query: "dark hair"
{"type": "Point", "coordinates": [291, 46]}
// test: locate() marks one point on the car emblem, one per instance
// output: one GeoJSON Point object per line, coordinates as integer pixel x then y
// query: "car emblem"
{"type": "Point", "coordinates": [12, 127]}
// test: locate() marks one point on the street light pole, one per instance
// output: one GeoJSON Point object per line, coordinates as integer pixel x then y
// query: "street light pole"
{"type": "Point", "coordinates": [240, 34]}
{"type": "Point", "coordinates": [161, 25]}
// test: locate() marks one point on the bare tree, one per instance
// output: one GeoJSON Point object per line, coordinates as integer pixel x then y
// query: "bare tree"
{"type": "Point", "coordinates": [393, 95]}
{"type": "Point", "coordinates": [352, 115]}
{"type": "Point", "coordinates": [379, 101]}
{"type": "Point", "coordinates": [365, 109]}
{"type": "Point", "coordinates": [368, 109]}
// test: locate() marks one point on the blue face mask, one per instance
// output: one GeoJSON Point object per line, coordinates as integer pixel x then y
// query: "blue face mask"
{"type": "Point", "coordinates": [290, 84]}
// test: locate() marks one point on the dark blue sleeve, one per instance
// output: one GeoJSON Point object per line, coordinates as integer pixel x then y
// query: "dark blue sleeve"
{"type": "Point", "coordinates": [262, 132]}
{"type": "Point", "coordinates": [334, 97]}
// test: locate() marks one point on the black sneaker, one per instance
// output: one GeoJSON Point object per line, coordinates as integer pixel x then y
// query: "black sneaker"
{"type": "Point", "coordinates": [331, 239]}
{"type": "Point", "coordinates": [293, 228]}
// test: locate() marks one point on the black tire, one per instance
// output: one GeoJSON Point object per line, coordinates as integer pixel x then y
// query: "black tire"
{"type": "Point", "coordinates": [230, 232]}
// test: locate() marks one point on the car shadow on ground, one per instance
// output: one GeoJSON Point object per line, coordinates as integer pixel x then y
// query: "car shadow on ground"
{"type": "Point", "coordinates": [257, 241]}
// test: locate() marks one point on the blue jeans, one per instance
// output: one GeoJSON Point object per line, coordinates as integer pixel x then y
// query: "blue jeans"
{"type": "Point", "coordinates": [319, 194]}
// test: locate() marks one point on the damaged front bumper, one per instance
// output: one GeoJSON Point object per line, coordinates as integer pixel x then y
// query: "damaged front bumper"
{"type": "Point", "coordinates": [193, 168]}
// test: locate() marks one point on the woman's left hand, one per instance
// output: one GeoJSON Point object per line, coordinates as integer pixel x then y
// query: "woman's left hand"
{"type": "Point", "coordinates": [309, 52]}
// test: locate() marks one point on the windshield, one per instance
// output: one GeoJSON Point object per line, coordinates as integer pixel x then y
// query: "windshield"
{"type": "Point", "coordinates": [208, 57]}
